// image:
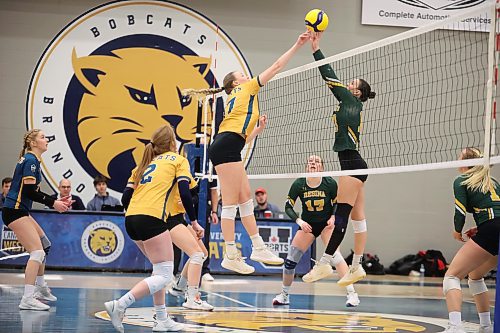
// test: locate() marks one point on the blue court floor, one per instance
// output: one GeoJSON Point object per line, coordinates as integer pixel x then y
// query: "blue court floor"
{"type": "Point", "coordinates": [243, 304]}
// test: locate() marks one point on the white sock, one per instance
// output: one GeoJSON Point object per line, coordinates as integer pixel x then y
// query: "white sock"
{"type": "Point", "coordinates": [192, 292]}
{"type": "Point", "coordinates": [326, 259]}
{"type": "Point", "coordinates": [231, 250]}
{"type": "Point", "coordinates": [161, 312]}
{"type": "Point", "coordinates": [182, 282]}
{"type": "Point", "coordinates": [126, 300]}
{"type": "Point", "coordinates": [356, 260]}
{"type": "Point", "coordinates": [257, 241]}
{"type": "Point", "coordinates": [40, 281]}
{"type": "Point", "coordinates": [285, 289]}
{"type": "Point", "coordinates": [484, 319]}
{"type": "Point", "coordinates": [455, 318]}
{"type": "Point", "coordinates": [350, 289]}
{"type": "Point", "coordinates": [29, 290]}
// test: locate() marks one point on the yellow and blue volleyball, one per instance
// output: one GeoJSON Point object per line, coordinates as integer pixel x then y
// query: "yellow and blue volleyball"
{"type": "Point", "coordinates": [316, 20]}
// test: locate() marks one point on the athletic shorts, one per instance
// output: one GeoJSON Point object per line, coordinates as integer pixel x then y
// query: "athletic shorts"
{"type": "Point", "coordinates": [352, 160]}
{"type": "Point", "coordinates": [317, 228]}
{"type": "Point", "coordinates": [488, 235]}
{"type": "Point", "coordinates": [226, 148]}
{"type": "Point", "coordinates": [9, 215]}
{"type": "Point", "coordinates": [144, 227]}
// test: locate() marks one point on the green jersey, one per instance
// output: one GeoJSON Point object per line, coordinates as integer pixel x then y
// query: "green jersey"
{"type": "Point", "coordinates": [347, 118]}
{"type": "Point", "coordinates": [483, 206]}
{"type": "Point", "coordinates": [318, 203]}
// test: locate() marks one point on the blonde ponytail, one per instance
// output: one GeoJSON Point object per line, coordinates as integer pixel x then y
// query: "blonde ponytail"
{"type": "Point", "coordinates": [478, 178]}
{"type": "Point", "coordinates": [28, 137]}
{"type": "Point", "coordinates": [227, 86]}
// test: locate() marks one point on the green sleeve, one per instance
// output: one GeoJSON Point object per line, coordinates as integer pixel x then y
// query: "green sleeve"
{"type": "Point", "coordinates": [460, 204]}
{"type": "Point", "coordinates": [293, 194]}
{"type": "Point", "coordinates": [332, 81]}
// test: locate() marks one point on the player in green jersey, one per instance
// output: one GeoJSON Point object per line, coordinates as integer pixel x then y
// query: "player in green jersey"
{"type": "Point", "coordinates": [351, 194]}
{"type": "Point", "coordinates": [318, 196]}
{"type": "Point", "coordinates": [477, 193]}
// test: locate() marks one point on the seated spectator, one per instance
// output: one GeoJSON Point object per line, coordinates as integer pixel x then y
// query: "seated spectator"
{"type": "Point", "coordinates": [102, 196]}
{"type": "Point", "coordinates": [264, 209]}
{"type": "Point", "coordinates": [65, 191]}
{"type": "Point", "coordinates": [5, 189]}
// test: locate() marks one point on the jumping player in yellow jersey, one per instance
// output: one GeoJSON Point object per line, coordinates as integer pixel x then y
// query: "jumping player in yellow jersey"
{"type": "Point", "coordinates": [476, 192]}
{"type": "Point", "coordinates": [160, 181]}
{"type": "Point", "coordinates": [242, 123]}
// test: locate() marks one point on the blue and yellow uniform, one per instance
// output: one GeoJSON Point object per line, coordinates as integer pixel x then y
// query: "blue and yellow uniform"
{"type": "Point", "coordinates": [242, 108]}
{"type": "Point", "coordinates": [485, 208]}
{"type": "Point", "coordinates": [28, 167]}
{"type": "Point", "coordinates": [157, 193]}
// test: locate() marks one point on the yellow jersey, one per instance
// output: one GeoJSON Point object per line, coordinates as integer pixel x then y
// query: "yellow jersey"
{"type": "Point", "coordinates": [157, 193]}
{"type": "Point", "coordinates": [242, 108]}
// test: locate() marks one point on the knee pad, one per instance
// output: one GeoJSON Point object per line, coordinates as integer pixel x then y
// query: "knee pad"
{"type": "Point", "coordinates": [46, 244]}
{"type": "Point", "coordinates": [451, 282]}
{"type": "Point", "coordinates": [337, 259]}
{"type": "Point", "coordinates": [37, 255]}
{"type": "Point", "coordinates": [359, 226]}
{"type": "Point", "coordinates": [162, 274]}
{"type": "Point", "coordinates": [477, 287]}
{"type": "Point", "coordinates": [246, 208]}
{"type": "Point", "coordinates": [197, 258]}
{"type": "Point", "coordinates": [292, 259]}
{"type": "Point", "coordinates": [229, 212]}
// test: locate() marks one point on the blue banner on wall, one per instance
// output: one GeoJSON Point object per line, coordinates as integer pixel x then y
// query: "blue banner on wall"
{"type": "Point", "coordinates": [99, 241]}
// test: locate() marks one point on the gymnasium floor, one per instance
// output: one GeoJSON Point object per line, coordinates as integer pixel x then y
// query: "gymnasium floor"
{"type": "Point", "coordinates": [243, 304]}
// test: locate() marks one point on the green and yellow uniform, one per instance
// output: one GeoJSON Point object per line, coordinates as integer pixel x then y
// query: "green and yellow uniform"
{"type": "Point", "coordinates": [157, 193]}
{"type": "Point", "coordinates": [318, 203]}
{"type": "Point", "coordinates": [242, 109]}
{"type": "Point", "coordinates": [347, 117]}
{"type": "Point", "coordinates": [483, 206]}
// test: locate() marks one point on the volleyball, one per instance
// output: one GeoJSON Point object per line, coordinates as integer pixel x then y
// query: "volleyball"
{"type": "Point", "coordinates": [316, 20]}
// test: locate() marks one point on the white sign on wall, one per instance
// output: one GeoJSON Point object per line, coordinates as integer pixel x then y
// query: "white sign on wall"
{"type": "Point", "coordinates": [416, 13]}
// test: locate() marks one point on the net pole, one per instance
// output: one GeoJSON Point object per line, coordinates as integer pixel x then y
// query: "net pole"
{"type": "Point", "coordinates": [496, 320]}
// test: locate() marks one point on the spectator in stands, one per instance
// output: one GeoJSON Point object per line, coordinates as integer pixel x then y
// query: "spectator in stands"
{"type": "Point", "coordinates": [5, 189]}
{"type": "Point", "coordinates": [102, 196]}
{"type": "Point", "coordinates": [65, 191]}
{"type": "Point", "coordinates": [264, 209]}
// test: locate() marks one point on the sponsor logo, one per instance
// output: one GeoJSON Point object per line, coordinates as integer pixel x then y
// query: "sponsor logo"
{"type": "Point", "coordinates": [102, 242]}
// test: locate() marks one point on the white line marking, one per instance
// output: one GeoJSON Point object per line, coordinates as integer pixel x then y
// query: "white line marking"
{"type": "Point", "coordinates": [231, 299]}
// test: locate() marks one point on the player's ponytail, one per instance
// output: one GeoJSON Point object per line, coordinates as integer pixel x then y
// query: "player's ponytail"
{"type": "Point", "coordinates": [366, 91]}
{"type": "Point", "coordinates": [28, 137]}
{"type": "Point", "coordinates": [478, 177]}
{"type": "Point", "coordinates": [227, 86]}
{"type": "Point", "coordinates": [162, 141]}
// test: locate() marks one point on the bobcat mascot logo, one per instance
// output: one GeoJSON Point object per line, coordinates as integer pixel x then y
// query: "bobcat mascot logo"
{"type": "Point", "coordinates": [102, 242]}
{"type": "Point", "coordinates": [114, 75]}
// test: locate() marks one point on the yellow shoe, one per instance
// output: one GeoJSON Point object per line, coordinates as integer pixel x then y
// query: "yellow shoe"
{"type": "Point", "coordinates": [319, 271]}
{"type": "Point", "coordinates": [353, 275]}
{"type": "Point", "coordinates": [237, 264]}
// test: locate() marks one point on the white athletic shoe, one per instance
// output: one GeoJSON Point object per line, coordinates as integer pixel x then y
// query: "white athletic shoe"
{"type": "Point", "coordinates": [281, 299]}
{"type": "Point", "coordinates": [454, 329]}
{"type": "Point", "coordinates": [31, 303]}
{"type": "Point", "coordinates": [318, 272]}
{"type": "Point", "coordinates": [353, 275]}
{"type": "Point", "coordinates": [174, 290]}
{"type": "Point", "coordinates": [208, 277]}
{"type": "Point", "coordinates": [352, 300]}
{"type": "Point", "coordinates": [265, 255]}
{"type": "Point", "coordinates": [167, 325]}
{"type": "Point", "coordinates": [44, 293]}
{"type": "Point", "coordinates": [237, 264]}
{"type": "Point", "coordinates": [485, 329]}
{"type": "Point", "coordinates": [197, 304]}
{"type": "Point", "coordinates": [115, 314]}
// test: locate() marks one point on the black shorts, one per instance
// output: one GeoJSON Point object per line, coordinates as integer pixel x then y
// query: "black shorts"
{"type": "Point", "coordinates": [352, 160]}
{"type": "Point", "coordinates": [488, 235]}
{"type": "Point", "coordinates": [226, 148]}
{"type": "Point", "coordinates": [144, 227]}
{"type": "Point", "coordinates": [317, 228]}
{"type": "Point", "coordinates": [9, 215]}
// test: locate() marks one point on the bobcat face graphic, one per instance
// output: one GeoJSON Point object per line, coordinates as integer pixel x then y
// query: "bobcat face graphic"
{"type": "Point", "coordinates": [138, 90]}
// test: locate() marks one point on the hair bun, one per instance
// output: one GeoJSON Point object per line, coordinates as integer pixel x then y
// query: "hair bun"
{"type": "Point", "coordinates": [372, 95]}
